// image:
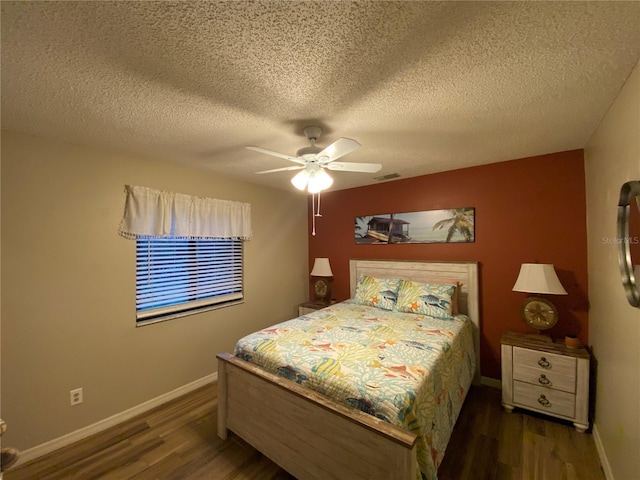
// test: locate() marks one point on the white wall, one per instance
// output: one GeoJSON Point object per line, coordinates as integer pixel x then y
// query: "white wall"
{"type": "Point", "coordinates": [612, 157]}
{"type": "Point", "coordinates": [68, 286]}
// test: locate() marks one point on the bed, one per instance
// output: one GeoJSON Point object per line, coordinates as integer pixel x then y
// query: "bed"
{"type": "Point", "coordinates": [365, 426]}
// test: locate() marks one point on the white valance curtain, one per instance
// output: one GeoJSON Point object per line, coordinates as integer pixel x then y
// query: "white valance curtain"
{"type": "Point", "coordinates": [154, 213]}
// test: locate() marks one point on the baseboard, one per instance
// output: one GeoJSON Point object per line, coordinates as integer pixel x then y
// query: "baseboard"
{"type": "Point", "coordinates": [491, 382]}
{"type": "Point", "coordinates": [66, 440]}
{"type": "Point", "coordinates": [604, 461]}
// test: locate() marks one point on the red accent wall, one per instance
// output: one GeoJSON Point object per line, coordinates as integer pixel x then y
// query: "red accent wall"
{"type": "Point", "coordinates": [527, 210]}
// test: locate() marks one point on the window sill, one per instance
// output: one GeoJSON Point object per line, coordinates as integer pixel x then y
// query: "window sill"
{"type": "Point", "coordinates": [194, 311]}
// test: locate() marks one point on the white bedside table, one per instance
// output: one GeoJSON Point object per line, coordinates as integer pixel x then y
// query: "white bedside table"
{"type": "Point", "coordinates": [546, 377]}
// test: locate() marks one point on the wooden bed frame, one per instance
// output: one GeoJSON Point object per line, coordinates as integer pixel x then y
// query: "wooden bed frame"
{"type": "Point", "coordinates": [312, 436]}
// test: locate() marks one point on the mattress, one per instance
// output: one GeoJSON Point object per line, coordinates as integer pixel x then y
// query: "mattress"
{"type": "Point", "coordinates": [409, 370]}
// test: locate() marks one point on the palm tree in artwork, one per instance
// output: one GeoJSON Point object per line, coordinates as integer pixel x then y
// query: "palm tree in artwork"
{"type": "Point", "coordinates": [361, 226]}
{"type": "Point", "coordinates": [461, 221]}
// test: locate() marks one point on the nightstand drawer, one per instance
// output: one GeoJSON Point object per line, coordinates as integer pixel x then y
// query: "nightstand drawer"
{"type": "Point", "coordinates": [544, 378]}
{"type": "Point", "coordinates": [544, 400]}
{"type": "Point", "coordinates": [545, 361]}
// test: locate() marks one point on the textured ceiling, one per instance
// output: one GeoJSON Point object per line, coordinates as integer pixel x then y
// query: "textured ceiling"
{"type": "Point", "coordinates": [423, 86]}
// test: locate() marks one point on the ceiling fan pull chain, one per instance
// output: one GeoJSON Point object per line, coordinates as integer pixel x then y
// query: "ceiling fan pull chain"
{"type": "Point", "coordinates": [313, 216]}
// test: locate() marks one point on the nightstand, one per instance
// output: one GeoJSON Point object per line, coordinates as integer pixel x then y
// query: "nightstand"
{"type": "Point", "coordinates": [546, 377]}
{"type": "Point", "coordinates": [308, 307]}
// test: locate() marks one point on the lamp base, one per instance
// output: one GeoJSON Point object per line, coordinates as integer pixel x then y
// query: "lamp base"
{"type": "Point", "coordinates": [321, 290]}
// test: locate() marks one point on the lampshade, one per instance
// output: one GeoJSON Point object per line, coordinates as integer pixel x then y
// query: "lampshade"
{"type": "Point", "coordinates": [319, 180]}
{"type": "Point", "coordinates": [321, 268]}
{"type": "Point", "coordinates": [315, 181]}
{"type": "Point", "coordinates": [300, 180]}
{"type": "Point", "coordinates": [538, 278]}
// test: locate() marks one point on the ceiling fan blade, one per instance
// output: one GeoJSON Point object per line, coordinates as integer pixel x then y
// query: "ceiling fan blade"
{"type": "Point", "coordinates": [283, 169]}
{"type": "Point", "coordinates": [338, 149]}
{"type": "Point", "coordinates": [275, 154]}
{"type": "Point", "coordinates": [355, 167]}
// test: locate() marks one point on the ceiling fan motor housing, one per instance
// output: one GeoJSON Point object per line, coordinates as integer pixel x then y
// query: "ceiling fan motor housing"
{"type": "Point", "coordinates": [312, 132]}
{"type": "Point", "coordinates": [308, 151]}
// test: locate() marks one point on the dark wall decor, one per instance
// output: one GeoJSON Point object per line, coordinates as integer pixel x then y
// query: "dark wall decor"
{"type": "Point", "coordinates": [455, 225]}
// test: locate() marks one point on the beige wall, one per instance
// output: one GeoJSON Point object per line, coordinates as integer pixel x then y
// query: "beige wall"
{"type": "Point", "coordinates": [612, 157]}
{"type": "Point", "coordinates": [68, 286]}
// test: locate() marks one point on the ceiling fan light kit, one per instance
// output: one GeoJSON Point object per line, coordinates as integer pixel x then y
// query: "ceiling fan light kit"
{"type": "Point", "coordinates": [314, 181]}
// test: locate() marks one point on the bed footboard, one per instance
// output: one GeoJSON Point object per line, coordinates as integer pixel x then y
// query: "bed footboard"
{"type": "Point", "coordinates": [306, 433]}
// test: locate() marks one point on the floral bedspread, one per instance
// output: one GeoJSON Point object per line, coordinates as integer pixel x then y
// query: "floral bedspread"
{"type": "Point", "coordinates": [410, 370]}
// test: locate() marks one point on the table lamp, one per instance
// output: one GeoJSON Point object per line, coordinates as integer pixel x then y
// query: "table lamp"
{"type": "Point", "coordinates": [321, 273]}
{"type": "Point", "coordinates": [538, 312]}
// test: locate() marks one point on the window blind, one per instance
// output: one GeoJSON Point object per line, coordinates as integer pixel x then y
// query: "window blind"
{"type": "Point", "coordinates": [180, 274]}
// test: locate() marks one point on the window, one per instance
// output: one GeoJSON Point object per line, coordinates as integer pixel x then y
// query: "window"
{"type": "Point", "coordinates": [178, 276]}
{"type": "Point", "coordinates": [189, 251]}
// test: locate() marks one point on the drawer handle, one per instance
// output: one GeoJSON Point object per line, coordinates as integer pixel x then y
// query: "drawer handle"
{"type": "Point", "coordinates": [543, 380]}
{"type": "Point", "coordinates": [543, 401]}
{"type": "Point", "coordinates": [544, 363]}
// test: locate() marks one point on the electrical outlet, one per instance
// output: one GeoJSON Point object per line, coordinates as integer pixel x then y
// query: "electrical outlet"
{"type": "Point", "coordinates": [75, 397]}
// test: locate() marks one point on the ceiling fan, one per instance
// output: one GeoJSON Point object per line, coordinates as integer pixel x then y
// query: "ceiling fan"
{"type": "Point", "coordinates": [314, 161]}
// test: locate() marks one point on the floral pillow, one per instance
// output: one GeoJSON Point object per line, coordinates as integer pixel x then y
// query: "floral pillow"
{"type": "Point", "coordinates": [456, 295]}
{"type": "Point", "coordinates": [377, 292]}
{"type": "Point", "coordinates": [433, 299]}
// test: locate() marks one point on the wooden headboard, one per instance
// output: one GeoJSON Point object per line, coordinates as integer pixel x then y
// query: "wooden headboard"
{"type": "Point", "coordinates": [430, 271]}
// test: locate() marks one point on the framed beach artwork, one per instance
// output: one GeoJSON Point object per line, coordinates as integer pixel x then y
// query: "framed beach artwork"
{"type": "Point", "coordinates": [455, 225]}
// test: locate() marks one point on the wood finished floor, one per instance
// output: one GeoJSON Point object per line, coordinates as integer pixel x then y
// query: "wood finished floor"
{"type": "Point", "coordinates": [178, 441]}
